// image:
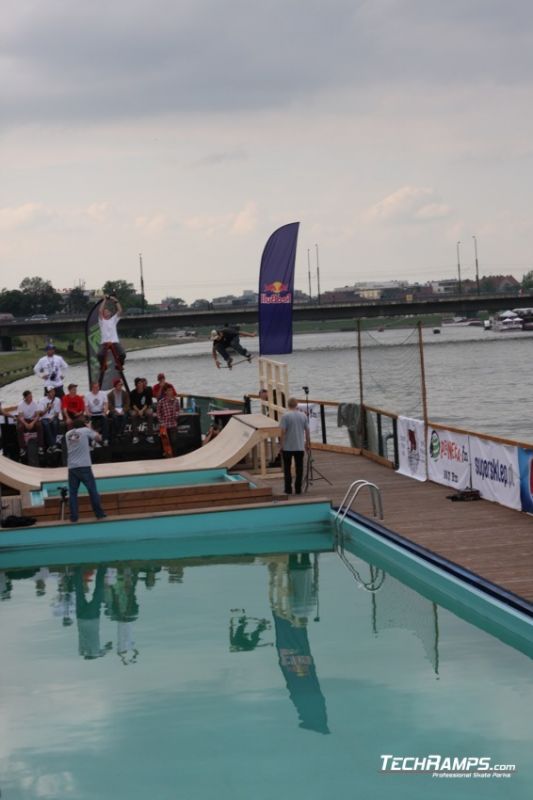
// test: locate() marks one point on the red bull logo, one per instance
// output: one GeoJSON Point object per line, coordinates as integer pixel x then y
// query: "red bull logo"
{"type": "Point", "coordinates": [276, 292]}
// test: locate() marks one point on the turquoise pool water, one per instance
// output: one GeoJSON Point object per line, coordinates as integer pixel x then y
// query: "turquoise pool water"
{"type": "Point", "coordinates": [247, 676]}
{"type": "Point", "coordinates": [150, 481]}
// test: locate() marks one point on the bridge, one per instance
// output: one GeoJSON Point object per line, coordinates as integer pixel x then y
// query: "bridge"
{"type": "Point", "coordinates": [459, 305]}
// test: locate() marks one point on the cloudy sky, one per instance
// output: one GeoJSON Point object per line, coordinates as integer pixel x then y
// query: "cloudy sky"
{"type": "Point", "coordinates": [191, 129]}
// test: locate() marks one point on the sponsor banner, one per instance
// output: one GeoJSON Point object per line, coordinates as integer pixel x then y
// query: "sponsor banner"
{"type": "Point", "coordinates": [448, 458]}
{"type": "Point", "coordinates": [276, 291]}
{"type": "Point", "coordinates": [495, 472]}
{"type": "Point", "coordinates": [412, 448]}
{"type": "Point", "coordinates": [92, 342]}
{"type": "Point", "coordinates": [525, 465]}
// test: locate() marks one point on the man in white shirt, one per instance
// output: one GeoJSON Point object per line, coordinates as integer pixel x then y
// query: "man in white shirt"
{"type": "Point", "coordinates": [49, 408]}
{"type": "Point", "coordinates": [97, 408]}
{"type": "Point", "coordinates": [28, 422]}
{"type": "Point", "coordinates": [109, 342]}
{"type": "Point", "coordinates": [52, 369]}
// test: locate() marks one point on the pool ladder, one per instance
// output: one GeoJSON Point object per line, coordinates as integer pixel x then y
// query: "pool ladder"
{"type": "Point", "coordinates": [350, 497]}
{"type": "Point", "coordinates": [376, 579]}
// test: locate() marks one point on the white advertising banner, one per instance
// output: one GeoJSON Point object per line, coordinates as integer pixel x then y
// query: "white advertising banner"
{"type": "Point", "coordinates": [495, 472]}
{"type": "Point", "coordinates": [411, 448]}
{"type": "Point", "coordinates": [448, 458]}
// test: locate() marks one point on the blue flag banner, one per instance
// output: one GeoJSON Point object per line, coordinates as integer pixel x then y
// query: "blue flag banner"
{"type": "Point", "coordinates": [276, 290]}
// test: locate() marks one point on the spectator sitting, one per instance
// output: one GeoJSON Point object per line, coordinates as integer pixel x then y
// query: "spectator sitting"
{"type": "Point", "coordinates": [73, 406]}
{"type": "Point", "coordinates": [213, 431]}
{"type": "Point", "coordinates": [97, 409]}
{"type": "Point", "coordinates": [119, 405]}
{"type": "Point", "coordinates": [28, 421]}
{"type": "Point", "coordinates": [50, 409]}
{"type": "Point", "coordinates": [141, 409]}
{"type": "Point", "coordinates": [157, 391]}
{"type": "Point", "coordinates": [168, 409]}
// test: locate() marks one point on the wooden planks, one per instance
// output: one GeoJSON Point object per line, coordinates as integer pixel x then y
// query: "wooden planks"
{"type": "Point", "coordinates": [490, 540]}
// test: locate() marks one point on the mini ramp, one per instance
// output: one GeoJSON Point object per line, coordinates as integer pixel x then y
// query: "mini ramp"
{"type": "Point", "coordinates": [239, 437]}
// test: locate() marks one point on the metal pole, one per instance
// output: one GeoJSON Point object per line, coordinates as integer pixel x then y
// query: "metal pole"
{"type": "Point", "coordinates": [309, 273]}
{"type": "Point", "coordinates": [142, 282]}
{"type": "Point", "coordinates": [422, 374]}
{"type": "Point", "coordinates": [477, 266]}
{"type": "Point", "coordinates": [459, 268]}
{"type": "Point", "coordinates": [317, 275]}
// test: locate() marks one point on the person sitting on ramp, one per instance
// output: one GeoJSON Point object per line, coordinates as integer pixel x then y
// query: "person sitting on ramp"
{"type": "Point", "coordinates": [228, 338]}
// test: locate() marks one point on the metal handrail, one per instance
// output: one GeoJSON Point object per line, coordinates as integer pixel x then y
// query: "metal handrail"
{"type": "Point", "coordinates": [352, 491]}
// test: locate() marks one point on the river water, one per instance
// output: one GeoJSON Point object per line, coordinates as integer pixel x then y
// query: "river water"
{"type": "Point", "coordinates": [475, 379]}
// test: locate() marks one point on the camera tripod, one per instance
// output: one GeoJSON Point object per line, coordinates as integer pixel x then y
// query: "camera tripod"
{"type": "Point", "coordinates": [312, 474]}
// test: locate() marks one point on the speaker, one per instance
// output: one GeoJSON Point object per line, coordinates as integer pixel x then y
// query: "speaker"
{"type": "Point", "coordinates": [189, 434]}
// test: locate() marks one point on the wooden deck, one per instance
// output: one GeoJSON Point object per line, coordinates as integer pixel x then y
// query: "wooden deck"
{"type": "Point", "coordinates": [494, 542]}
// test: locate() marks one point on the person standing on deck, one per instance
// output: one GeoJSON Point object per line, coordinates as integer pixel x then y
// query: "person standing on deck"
{"type": "Point", "coordinates": [108, 322]}
{"type": "Point", "coordinates": [52, 369]}
{"type": "Point", "coordinates": [294, 441]}
{"type": "Point", "coordinates": [79, 466]}
{"type": "Point", "coordinates": [168, 409]}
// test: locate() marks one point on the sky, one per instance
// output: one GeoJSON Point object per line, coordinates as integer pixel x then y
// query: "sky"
{"type": "Point", "coordinates": [189, 130]}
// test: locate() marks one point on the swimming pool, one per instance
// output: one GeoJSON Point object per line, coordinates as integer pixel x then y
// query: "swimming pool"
{"type": "Point", "coordinates": [158, 480]}
{"type": "Point", "coordinates": [208, 669]}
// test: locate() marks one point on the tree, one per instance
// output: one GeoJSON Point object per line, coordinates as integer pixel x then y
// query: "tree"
{"type": "Point", "coordinates": [527, 281]}
{"type": "Point", "coordinates": [76, 302]}
{"type": "Point", "coordinates": [173, 303]}
{"type": "Point", "coordinates": [123, 291]}
{"type": "Point", "coordinates": [39, 296]}
{"type": "Point", "coordinates": [12, 302]}
{"type": "Point", "coordinates": [201, 304]}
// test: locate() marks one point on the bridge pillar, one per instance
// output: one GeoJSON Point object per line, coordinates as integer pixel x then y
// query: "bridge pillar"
{"type": "Point", "coordinates": [6, 344]}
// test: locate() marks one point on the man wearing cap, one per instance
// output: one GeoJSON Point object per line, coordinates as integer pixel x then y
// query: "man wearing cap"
{"type": "Point", "coordinates": [73, 405]}
{"type": "Point", "coordinates": [50, 409]}
{"type": "Point", "coordinates": [157, 390]}
{"type": "Point", "coordinates": [79, 465]}
{"type": "Point", "coordinates": [118, 401]}
{"type": "Point", "coordinates": [228, 337]}
{"type": "Point", "coordinates": [28, 422]}
{"type": "Point", "coordinates": [52, 368]}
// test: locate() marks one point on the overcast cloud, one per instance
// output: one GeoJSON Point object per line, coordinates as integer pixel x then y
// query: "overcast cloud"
{"type": "Point", "coordinates": [190, 130]}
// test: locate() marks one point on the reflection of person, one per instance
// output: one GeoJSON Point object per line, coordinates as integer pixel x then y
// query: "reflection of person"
{"type": "Point", "coordinates": [108, 322]}
{"type": "Point", "coordinates": [28, 421]}
{"type": "Point", "coordinates": [294, 441]}
{"type": "Point", "coordinates": [88, 615]}
{"type": "Point", "coordinates": [52, 368]}
{"type": "Point", "coordinates": [125, 610]}
{"type": "Point", "coordinates": [241, 639]}
{"type": "Point", "coordinates": [80, 468]}
{"type": "Point", "coordinates": [225, 338]}
{"type": "Point", "coordinates": [302, 589]}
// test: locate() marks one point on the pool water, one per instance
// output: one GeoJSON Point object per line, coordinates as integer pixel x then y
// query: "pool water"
{"type": "Point", "coordinates": [244, 677]}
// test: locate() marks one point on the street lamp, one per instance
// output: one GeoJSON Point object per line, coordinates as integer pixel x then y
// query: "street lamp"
{"type": "Point", "coordinates": [459, 269]}
{"type": "Point", "coordinates": [477, 265]}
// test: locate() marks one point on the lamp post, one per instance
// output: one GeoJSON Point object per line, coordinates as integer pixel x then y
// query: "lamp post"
{"type": "Point", "coordinates": [460, 287]}
{"type": "Point", "coordinates": [317, 275]}
{"type": "Point", "coordinates": [143, 302]}
{"type": "Point", "coordinates": [477, 266]}
{"type": "Point", "coordinates": [309, 274]}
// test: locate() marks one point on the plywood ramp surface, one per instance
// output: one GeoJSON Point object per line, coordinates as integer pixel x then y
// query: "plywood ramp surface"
{"type": "Point", "coordinates": [237, 439]}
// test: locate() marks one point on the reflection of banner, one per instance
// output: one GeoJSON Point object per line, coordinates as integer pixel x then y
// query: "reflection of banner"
{"type": "Point", "coordinates": [313, 417]}
{"type": "Point", "coordinates": [411, 448]}
{"type": "Point", "coordinates": [92, 342]}
{"type": "Point", "coordinates": [298, 667]}
{"type": "Point", "coordinates": [525, 464]}
{"type": "Point", "coordinates": [495, 471]}
{"type": "Point", "coordinates": [276, 290]}
{"type": "Point", "coordinates": [448, 458]}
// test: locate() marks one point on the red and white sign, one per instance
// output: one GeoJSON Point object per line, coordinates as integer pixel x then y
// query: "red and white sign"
{"type": "Point", "coordinates": [448, 458]}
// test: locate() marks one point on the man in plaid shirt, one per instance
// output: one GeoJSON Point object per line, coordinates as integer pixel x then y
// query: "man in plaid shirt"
{"type": "Point", "coordinates": [168, 409]}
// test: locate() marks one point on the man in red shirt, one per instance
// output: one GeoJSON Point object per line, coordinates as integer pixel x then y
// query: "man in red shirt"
{"type": "Point", "coordinates": [168, 409]}
{"type": "Point", "coordinates": [73, 405]}
{"type": "Point", "coordinates": [157, 390]}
